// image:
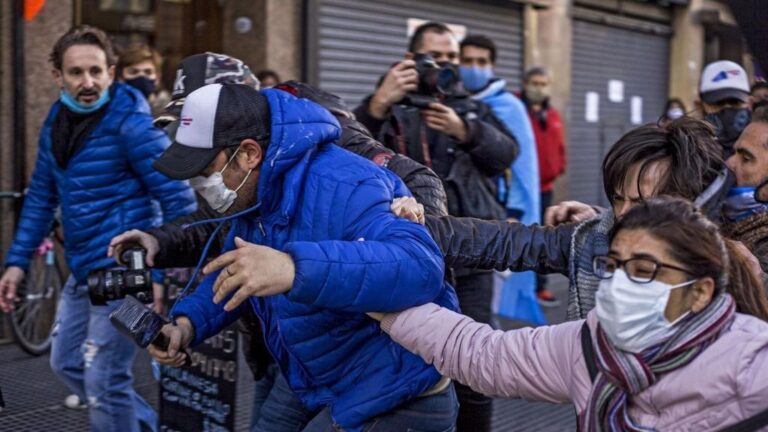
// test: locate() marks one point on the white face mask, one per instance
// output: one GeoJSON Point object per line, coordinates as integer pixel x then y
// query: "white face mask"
{"type": "Point", "coordinates": [632, 314]}
{"type": "Point", "coordinates": [675, 113]}
{"type": "Point", "coordinates": [213, 189]}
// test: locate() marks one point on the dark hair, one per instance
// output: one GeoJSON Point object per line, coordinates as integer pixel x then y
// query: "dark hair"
{"type": "Point", "coordinates": [760, 115]}
{"type": "Point", "coordinates": [535, 71]}
{"type": "Point", "coordinates": [268, 73]}
{"type": "Point", "coordinates": [429, 27]}
{"type": "Point", "coordinates": [82, 35]}
{"type": "Point", "coordinates": [689, 146]}
{"type": "Point", "coordinates": [758, 85]}
{"type": "Point", "coordinates": [136, 54]}
{"type": "Point", "coordinates": [674, 101]}
{"type": "Point", "coordinates": [480, 41]}
{"type": "Point", "coordinates": [697, 244]}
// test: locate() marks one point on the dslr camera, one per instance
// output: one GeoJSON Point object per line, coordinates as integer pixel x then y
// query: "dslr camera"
{"type": "Point", "coordinates": [436, 82]}
{"type": "Point", "coordinates": [134, 279]}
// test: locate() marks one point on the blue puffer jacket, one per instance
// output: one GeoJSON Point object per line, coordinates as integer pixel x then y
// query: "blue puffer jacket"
{"type": "Point", "coordinates": [329, 209]}
{"type": "Point", "coordinates": [105, 189]}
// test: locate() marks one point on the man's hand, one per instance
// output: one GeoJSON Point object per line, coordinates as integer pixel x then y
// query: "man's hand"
{"type": "Point", "coordinates": [250, 270]}
{"type": "Point", "coordinates": [401, 79]}
{"type": "Point", "coordinates": [147, 241]}
{"type": "Point", "coordinates": [179, 337]}
{"type": "Point", "coordinates": [9, 284]}
{"type": "Point", "coordinates": [408, 208]}
{"type": "Point", "coordinates": [568, 211]}
{"type": "Point", "coordinates": [444, 119]}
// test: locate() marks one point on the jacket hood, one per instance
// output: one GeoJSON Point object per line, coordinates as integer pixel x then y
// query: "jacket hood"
{"type": "Point", "coordinates": [298, 128]}
{"type": "Point", "coordinates": [496, 85]}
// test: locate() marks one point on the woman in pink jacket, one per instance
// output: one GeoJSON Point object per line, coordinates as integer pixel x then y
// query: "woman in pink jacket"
{"type": "Point", "coordinates": [666, 347]}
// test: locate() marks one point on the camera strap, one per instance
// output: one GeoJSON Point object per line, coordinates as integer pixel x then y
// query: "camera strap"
{"type": "Point", "coordinates": [207, 247]}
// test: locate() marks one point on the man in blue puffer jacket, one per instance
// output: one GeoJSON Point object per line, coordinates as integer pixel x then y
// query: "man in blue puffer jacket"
{"type": "Point", "coordinates": [313, 246]}
{"type": "Point", "coordinates": [95, 162]}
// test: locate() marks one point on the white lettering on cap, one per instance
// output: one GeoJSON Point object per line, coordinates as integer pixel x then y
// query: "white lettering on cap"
{"type": "Point", "coordinates": [198, 116]}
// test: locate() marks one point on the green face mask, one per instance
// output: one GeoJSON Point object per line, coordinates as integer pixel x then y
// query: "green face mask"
{"type": "Point", "coordinates": [536, 94]}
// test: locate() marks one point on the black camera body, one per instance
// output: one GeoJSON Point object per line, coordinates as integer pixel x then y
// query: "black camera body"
{"type": "Point", "coordinates": [116, 283]}
{"type": "Point", "coordinates": [436, 82]}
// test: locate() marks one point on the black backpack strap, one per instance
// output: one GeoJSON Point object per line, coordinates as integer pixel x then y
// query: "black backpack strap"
{"type": "Point", "coordinates": [589, 351]}
{"type": "Point", "coordinates": [751, 424]}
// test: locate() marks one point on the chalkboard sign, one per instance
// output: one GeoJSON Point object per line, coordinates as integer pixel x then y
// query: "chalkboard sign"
{"type": "Point", "coordinates": [201, 396]}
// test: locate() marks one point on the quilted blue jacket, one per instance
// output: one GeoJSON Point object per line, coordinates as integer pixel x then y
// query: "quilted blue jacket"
{"type": "Point", "coordinates": [329, 209]}
{"type": "Point", "coordinates": [106, 188]}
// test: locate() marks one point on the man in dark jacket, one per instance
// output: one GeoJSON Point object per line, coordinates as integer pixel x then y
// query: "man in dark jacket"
{"type": "Point", "coordinates": [316, 248]}
{"type": "Point", "coordinates": [746, 219]}
{"type": "Point", "coordinates": [94, 161]}
{"type": "Point", "coordinates": [466, 145]}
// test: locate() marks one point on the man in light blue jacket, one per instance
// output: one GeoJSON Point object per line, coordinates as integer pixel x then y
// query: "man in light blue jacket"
{"type": "Point", "coordinates": [94, 161]}
{"type": "Point", "coordinates": [519, 189]}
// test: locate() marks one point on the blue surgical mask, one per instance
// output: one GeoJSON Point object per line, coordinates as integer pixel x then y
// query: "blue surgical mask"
{"type": "Point", "coordinates": [741, 204]}
{"type": "Point", "coordinates": [475, 78]}
{"type": "Point", "coordinates": [81, 108]}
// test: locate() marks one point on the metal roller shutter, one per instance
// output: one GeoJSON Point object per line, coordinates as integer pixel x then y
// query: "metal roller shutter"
{"type": "Point", "coordinates": [351, 43]}
{"type": "Point", "coordinates": [601, 54]}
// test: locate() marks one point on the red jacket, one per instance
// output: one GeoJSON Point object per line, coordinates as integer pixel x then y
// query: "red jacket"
{"type": "Point", "coordinates": [550, 145]}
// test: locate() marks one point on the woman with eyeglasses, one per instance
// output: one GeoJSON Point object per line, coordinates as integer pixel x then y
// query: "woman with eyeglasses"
{"type": "Point", "coordinates": [664, 349]}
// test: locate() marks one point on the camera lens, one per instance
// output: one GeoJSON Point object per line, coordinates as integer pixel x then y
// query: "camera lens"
{"type": "Point", "coordinates": [447, 80]}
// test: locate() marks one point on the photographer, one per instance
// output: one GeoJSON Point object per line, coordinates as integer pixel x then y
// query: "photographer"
{"type": "Point", "coordinates": [462, 141]}
{"type": "Point", "coordinates": [94, 160]}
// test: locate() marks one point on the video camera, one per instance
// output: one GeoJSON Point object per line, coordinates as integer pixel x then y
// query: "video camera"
{"type": "Point", "coordinates": [116, 283]}
{"type": "Point", "coordinates": [436, 82]}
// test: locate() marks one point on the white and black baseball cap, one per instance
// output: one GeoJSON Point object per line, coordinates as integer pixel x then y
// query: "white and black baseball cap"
{"type": "Point", "coordinates": [214, 117]}
{"type": "Point", "coordinates": [723, 80]}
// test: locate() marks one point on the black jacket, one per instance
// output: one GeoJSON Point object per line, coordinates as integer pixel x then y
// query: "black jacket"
{"type": "Point", "coordinates": [468, 170]}
{"type": "Point", "coordinates": [490, 145]}
{"type": "Point", "coordinates": [499, 245]}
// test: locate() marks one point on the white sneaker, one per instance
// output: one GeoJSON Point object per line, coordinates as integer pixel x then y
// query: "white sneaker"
{"type": "Point", "coordinates": [73, 402]}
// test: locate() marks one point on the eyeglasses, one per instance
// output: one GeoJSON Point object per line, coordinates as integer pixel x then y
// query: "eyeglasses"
{"type": "Point", "coordinates": [639, 270]}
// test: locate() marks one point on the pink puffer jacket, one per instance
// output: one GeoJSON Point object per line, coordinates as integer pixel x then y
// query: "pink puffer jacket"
{"type": "Point", "coordinates": [726, 383]}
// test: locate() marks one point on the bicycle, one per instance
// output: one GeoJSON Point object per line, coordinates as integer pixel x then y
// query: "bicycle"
{"type": "Point", "coordinates": [33, 319]}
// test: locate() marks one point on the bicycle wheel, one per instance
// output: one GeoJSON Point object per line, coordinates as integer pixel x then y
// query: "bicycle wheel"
{"type": "Point", "coordinates": [33, 319]}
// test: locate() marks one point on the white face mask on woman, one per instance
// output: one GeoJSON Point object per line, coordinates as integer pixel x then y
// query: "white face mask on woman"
{"type": "Point", "coordinates": [632, 314]}
{"type": "Point", "coordinates": [213, 189]}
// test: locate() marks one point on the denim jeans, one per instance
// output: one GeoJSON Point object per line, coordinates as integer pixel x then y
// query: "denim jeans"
{"type": "Point", "coordinates": [94, 360]}
{"type": "Point", "coordinates": [275, 407]}
{"type": "Point", "coordinates": [436, 413]}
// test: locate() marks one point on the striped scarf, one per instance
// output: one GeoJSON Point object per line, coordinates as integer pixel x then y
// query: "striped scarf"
{"type": "Point", "coordinates": [623, 374]}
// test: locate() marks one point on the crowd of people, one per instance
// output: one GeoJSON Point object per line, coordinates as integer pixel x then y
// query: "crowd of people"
{"type": "Point", "coordinates": [356, 247]}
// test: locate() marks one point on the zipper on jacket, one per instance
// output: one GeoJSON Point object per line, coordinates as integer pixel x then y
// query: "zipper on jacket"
{"type": "Point", "coordinates": [261, 228]}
